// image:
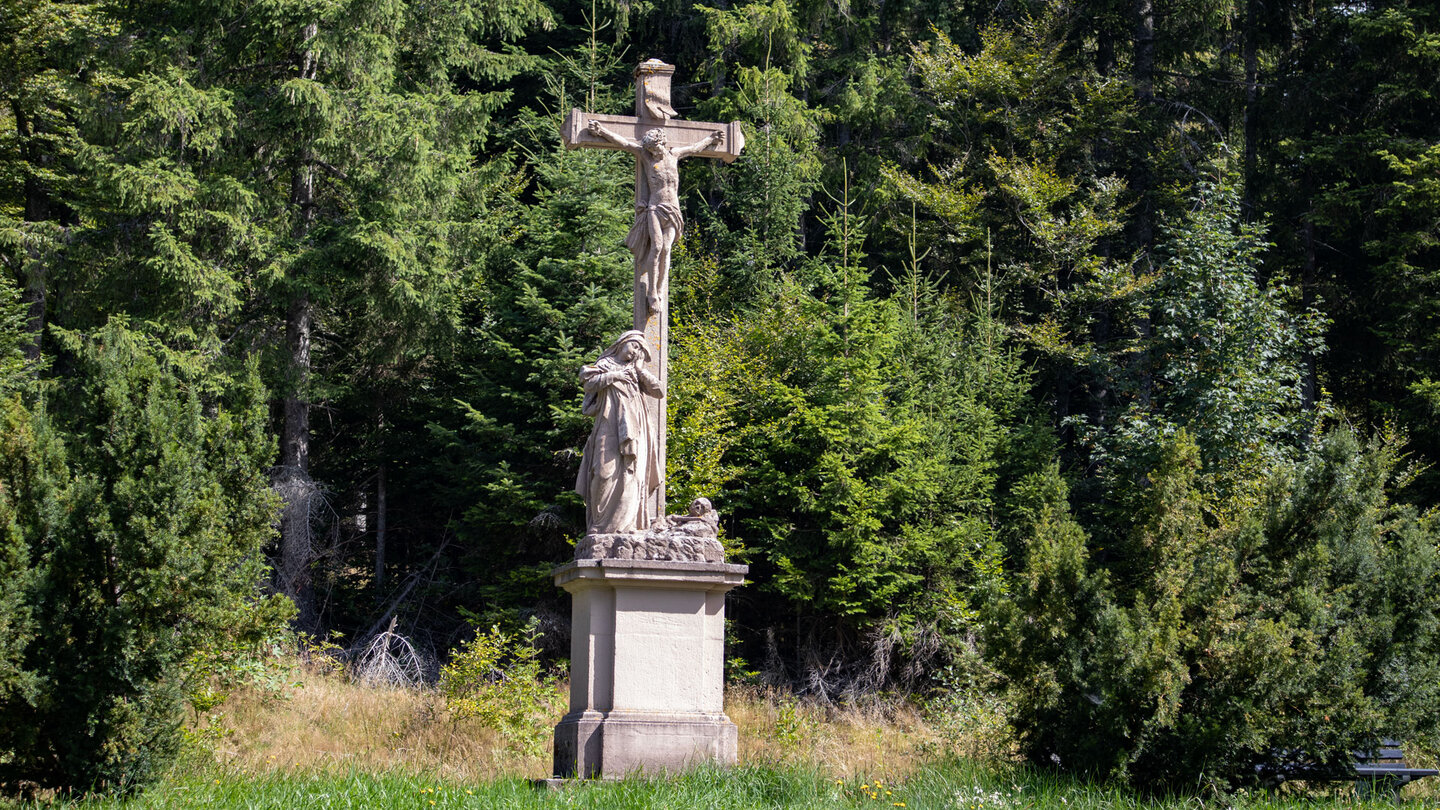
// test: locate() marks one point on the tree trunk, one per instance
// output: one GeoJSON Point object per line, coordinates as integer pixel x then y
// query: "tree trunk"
{"type": "Point", "coordinates": [37, 209]}
{"type": "Point", "coordinates": [293, 481]}
{"type": "Point", "coordinates": [1104, 51]}
{"type": "Point", "coordinates": [1311, 384]}
{"type": "Point", "coordinates": [1141, 180]}
{"type": "Point", "coordinates": [33, 296]}
{"type": "Point", "coordinates": [379, 530]}
{"type": "Point", "coordinates": [1252, 75]}
{"type": "Point", "coordinates": [1145, 50]}
{"type": "Point", "coordinates": [1144, 80]}
{"type": "Point", "coordinates": [295, 440]}
{"type": "Point", "coordinates": [297, 489]}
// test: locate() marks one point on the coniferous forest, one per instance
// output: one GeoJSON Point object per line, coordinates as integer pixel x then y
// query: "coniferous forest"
{"type": "Point", "coordinates": [1084, 354]}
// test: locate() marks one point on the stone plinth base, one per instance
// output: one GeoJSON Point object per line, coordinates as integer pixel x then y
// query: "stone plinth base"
{"type": "Point", "coordinates": [647, 657]}
{"type": "Point", "coordinates": [609, 745]}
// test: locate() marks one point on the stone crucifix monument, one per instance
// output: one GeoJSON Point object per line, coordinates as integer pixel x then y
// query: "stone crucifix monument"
{"type": "Point", "coordinates": [648, 590]}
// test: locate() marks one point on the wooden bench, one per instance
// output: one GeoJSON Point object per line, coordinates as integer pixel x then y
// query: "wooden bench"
{"type": "Point", "coordinates": [1386, 770]}
{"type": "Point", "coordinates": [1383, 770]}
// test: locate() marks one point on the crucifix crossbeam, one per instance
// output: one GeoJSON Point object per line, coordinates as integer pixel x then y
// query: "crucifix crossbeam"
{"type": "Point", "coordinates": [677, 133]}
{"type": "Point", "coordinates": [659, 141]}
{"type": "Point", "coordinates": [652, 110]}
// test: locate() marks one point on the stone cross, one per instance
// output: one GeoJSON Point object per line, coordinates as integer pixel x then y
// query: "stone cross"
{"type": "Point", "coordinates": [658, 140]}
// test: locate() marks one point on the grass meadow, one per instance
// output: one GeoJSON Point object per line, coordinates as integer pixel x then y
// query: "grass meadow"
{"type": "Point", "coordinates": [324, 742]}
{"type": "Point", "coordinates": [952, 784]}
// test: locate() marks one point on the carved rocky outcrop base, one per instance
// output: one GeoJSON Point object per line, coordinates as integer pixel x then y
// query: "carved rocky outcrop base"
{"type": "Point", "coordinates": [692, 537]}
{"type": "Point", "coordinates": [649, 546]}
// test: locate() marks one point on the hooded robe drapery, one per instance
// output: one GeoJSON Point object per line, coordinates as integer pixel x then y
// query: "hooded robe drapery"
{"type": "Point", "coordinates": [621, 466]}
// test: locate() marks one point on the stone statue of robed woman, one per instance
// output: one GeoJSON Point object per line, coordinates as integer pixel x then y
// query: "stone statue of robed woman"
{"type": "Point", "coordinates": [621, 466]}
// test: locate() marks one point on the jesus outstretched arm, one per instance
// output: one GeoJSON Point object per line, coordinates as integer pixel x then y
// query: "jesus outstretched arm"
{"type": "Point", "coordinates": [619, 140]}
{"type": "Point", "coordinates": [715, 139]}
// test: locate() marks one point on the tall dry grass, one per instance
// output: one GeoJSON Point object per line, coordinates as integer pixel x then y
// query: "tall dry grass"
{"type": "Point", "coordinates": [324, 722]}
{"type": "Point", "coordinates": [888, 738]}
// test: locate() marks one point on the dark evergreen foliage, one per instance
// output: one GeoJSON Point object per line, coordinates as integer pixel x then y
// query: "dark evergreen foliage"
{"type": "Point", "coordinates": [1022, 320]}
{"type": "Point", "coordinates": [138, 495]}
{"type": "Point", "coordinates": [1195, 652]}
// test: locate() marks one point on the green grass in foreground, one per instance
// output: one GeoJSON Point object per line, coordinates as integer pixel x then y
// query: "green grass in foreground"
{"type": "Point", "coordinates": [954, 785]}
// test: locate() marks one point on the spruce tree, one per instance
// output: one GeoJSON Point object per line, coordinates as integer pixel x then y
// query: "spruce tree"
{"type": "Point", "coordinates": [855, 443]}
{"type": "Point", "coordinates": [275, 175]}
{"type": "Point", "coordinates": [18, 508]}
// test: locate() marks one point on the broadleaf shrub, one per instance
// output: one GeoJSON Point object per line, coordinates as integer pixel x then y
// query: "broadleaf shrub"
{"type": "Point", "coordinates": [497, 678]}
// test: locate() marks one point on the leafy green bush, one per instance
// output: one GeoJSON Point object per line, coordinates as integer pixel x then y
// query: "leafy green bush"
{"type": "Point", "coordinates": [257, 651]}
{"type": "Point", "coordinates": [140, 504]}
{"type": "Point", "coordinates": [1201, 648]}
{"type": "Point", "coordinates": [496, 677]}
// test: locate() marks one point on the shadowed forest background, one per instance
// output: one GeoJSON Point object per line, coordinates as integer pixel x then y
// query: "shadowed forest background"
{"type": "Point", "coordinates": [1082, 354]}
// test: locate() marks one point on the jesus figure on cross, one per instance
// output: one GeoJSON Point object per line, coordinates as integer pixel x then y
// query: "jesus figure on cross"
{"type": "Point", "coordinates": [659, 141]}
{"type": "Point", "coordinates": [658, 222]}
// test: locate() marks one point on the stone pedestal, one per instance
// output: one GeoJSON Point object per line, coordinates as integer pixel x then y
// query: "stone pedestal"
{"type": "Point", "coordinates": [647, 659]}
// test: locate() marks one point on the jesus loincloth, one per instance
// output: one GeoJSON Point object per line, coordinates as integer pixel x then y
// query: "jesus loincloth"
{"type": "Point", "coordinates": [638, 240]}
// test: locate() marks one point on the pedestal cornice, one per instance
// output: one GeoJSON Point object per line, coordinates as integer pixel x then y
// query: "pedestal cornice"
{"type": "Point", "coordinates": [650, 574]}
